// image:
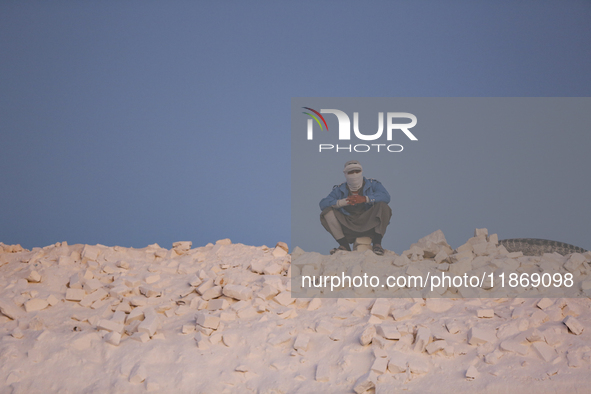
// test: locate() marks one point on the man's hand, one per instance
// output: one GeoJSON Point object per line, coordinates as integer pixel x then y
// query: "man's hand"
{"type": "Point", "coordinates": [355, 199]}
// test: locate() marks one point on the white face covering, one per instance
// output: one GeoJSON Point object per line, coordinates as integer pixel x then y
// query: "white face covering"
{"type": "Point", "coordinates": [354, 181]}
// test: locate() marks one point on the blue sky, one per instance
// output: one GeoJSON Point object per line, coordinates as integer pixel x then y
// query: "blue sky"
{"type": "Point", "coordinates": [129, 123]}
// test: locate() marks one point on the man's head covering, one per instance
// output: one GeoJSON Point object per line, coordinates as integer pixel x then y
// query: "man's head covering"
{"type": "Point", "coordinates": [354, 181]}
{"type": "Point", "coordinates": [352, 165]}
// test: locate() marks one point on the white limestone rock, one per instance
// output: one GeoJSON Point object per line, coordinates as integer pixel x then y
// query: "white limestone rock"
{"type": "Point", "coordinates": [114, 338]}
{"type": "Point", "coordinates": [208, 321]}
{"type": "Point", "coordinates": [75, 294]}
{"type": "Point", "coordinates": [573, 325]}
{"type": "Point", "coordinates": [34, 277]}
{"type": "Point", "coordinates": [388, 331]}
{"type": "Point", "coordinates": [381, 308]}
{"type": "Point", "coordinates": [367, 335]}
{"type": "Point", "coordinates": [485, 313]}
{"type": "Point", "coordinates": [36, 304]}
{"type": "Point", "coordinates": [323, 372]}
{"type": "Point", "coordinates": [472, 373]}
{"type": "Point", "coordinates": [110, 325]}
{"type": "Point", "coordinates": [301, 342]}
{"type": "Point", "coordinates": [397, 363]}
{"type": "Point", "coordinates": [9, 309]}
{"type": "Point", "coordinates": [422, 339]}
{"type": "Point", "coordinates": [138, 374]}
{"type": "Point", "coordinates": [546, 352]}
{"type": "Point", "coordinates": [481, 335]}
{"type": "Point", "coordinates": [237, 292]}
{"type": "Point", "coordinates": [149, 325]}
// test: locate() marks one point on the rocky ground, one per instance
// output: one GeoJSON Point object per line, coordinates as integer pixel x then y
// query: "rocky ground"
{"type": "Point", "coordinates": [221, 319]}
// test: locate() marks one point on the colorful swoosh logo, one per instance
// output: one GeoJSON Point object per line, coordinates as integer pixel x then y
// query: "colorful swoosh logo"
{"type": "Point", "coordinates": [315, 118]}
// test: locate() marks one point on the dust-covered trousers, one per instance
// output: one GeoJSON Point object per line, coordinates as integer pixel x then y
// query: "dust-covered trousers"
{"type": "Point", "coordinates": [366, 224]}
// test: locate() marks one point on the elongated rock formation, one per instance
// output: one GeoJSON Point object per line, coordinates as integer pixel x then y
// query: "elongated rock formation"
{"type": "Point", "coordinates": [537, 247]}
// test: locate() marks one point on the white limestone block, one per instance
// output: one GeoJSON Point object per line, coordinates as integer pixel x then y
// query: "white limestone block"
{"type": "Point", "coordinates": [114, 338]}
{"type": "Point", "coordinates": [365, 382]}
{"type": "Point", "coordinates": [284, 298]}
{"type": "Point", "coordinates": [388, 331]}
{"type": "Point", "coordinates": [138, 374]}
{"type": "Point", "coordinates": [91, 285]}
{"type": "Point", "coordinates": [472, 373]}
{"type": "Point", "coordinates": [153, 278]}
{"type": "Point", "coordinates": [149, 325]}
{"type": "Point", "coordinates": [418, 366]}
{"type": "Point", "coordinates": [75, 294]}
{"type": "Point", "coordinates": [267, 292]}
{"type": "Point", "coordinates": [441, 256]}
{"type": "Point", "coordinates": [119, 317]}
{"type": "Point", "coordinates": [90, 252]}
{"type": "Point", "coordinates": [436, 346]}
{"type": "Point", "coordinates": [481, 335]}
{"type": "Point", "coordinates": [237, 292]}
{"type": "Point", "coordinates": [119, 291]}
{"type": "Point", "coordinates": [149, 291]}
{"type": "Point", "coordinates": [485, 313]}
{"type": "Point", "coordinates": [17, 333]}
{"type": "Point", "coordinates": [513, 346]}
{"type": "Point", "coordinates": [272, 269]}
{"type": "Point", "coordinates": [142, 337]}
{"type": "Point", "coordinates": [574, 262]}
{"type": "Point", "coordinates": [96, 296]}
{"type": "Point", "coordinates": [438, 305]}
{"type": "Point", "coordinates": [314, 304]}
{"type": "Point", "coordinates": [34, 277]}
{"type": "Point", "coordinates": [573, 325]}
{"type": "Point", "coordinates": [538, 318]}
{"type": "Point", "coordinates": [110, 326]}
{"type": "Point", "coordinates": [182, 246]}
{"type": "Point", "coordinates": [545, 303]}
{"type": "Point", "coordinates": [36, 304]}
{"type": "Point", "coordinates": [325, 327]}
{"type": "Point", "coordinates": [131, 282]}
{"type": "Point", "coordinates": [208, 321]}
{"type": "Point", "coordinates": [9, 309]}
{"type": "Point", "coordinates": [574, 359]}
{"type": "Point", "coordinates": [131, 328]}
{"type": "Point", "coordinates": [75, 282]}
{"type": "Point", "coordinates": [381, 308]}
{"type": "Point", "coordinates": [323, 372]}
{"type": "Point", "coordinates": [301, 342]}
{"type": "Point", "coordinates": [380, 365]}
{"type": "Point", "coordinates": [546, 352]}
{"type": "Point", "coordinates": [122, 264]}
{"type": "Point", "coordinates": [217, 304]}
{"type": "Point", "coordinates": [227, 316]}
{"type": "Point", "coordinates": [535, 336]}
{"type": "Point", "coordinates": [367, 335]}
{"type": "Point", "coordinates": [279, 252]}
{"type": "Point", "coordinates": [247, 313]}
{"type": "Point", "coordinates": [230, 339]}
{"type": "Point", "coordinates": [402, 314]}
{"type": "Point", "coordinates": [52, 300]}
{"type": "Point", "coordinates": [135, 314]}
{"type": "Point", "coordinates": [212, 293]}
{"type": "Point", "coordinates": [422, 339]}
{"type": "Point", "coordinates": [188, 328]}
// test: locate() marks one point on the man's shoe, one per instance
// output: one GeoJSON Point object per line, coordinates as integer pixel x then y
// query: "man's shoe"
{"type": "Point", "coordinates": [377, 249]}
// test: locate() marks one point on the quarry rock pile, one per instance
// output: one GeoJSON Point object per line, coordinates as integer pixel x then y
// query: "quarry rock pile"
{"type": "Point", "coordinates": [221, 319]}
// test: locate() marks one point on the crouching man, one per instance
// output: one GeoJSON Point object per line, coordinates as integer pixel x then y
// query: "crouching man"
{"type": "Point", "coordinates": [356, 208]}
